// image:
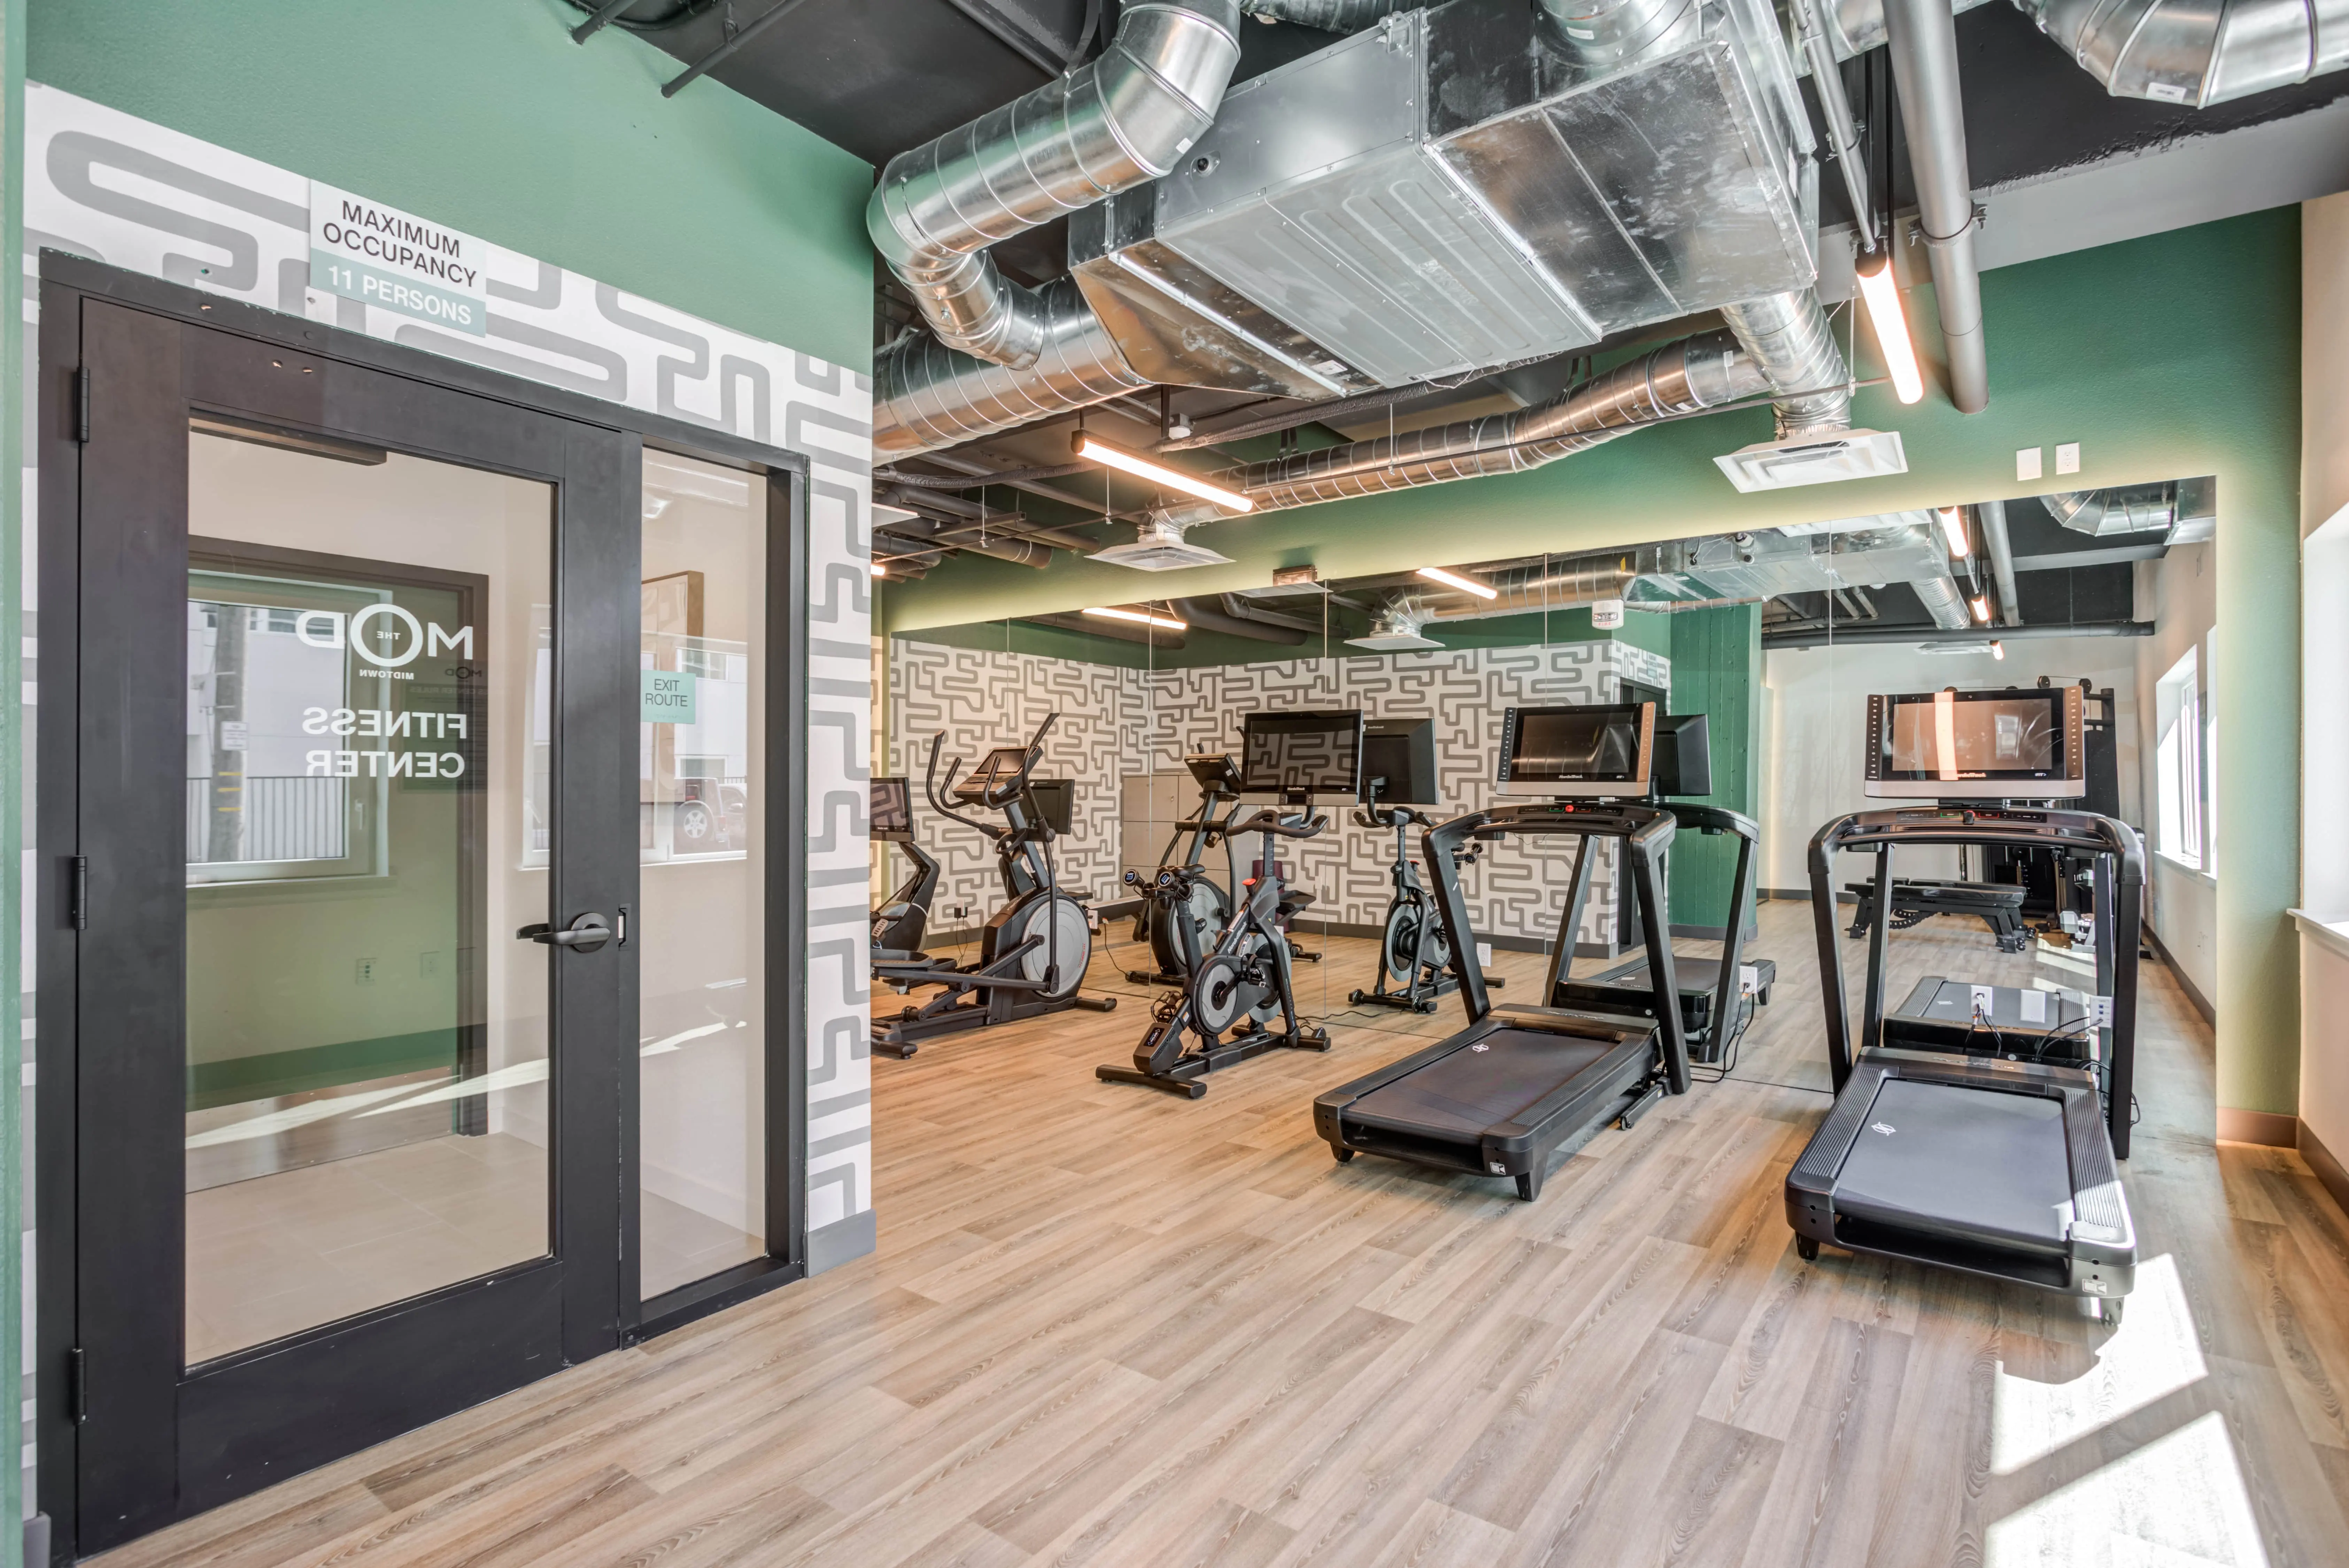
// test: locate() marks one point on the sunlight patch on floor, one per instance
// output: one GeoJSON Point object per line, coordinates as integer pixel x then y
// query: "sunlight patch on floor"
{"type": "Point", "coordinates": [2154, 1352]}
{"type": "Point", "coordinates": [2177, 1502]}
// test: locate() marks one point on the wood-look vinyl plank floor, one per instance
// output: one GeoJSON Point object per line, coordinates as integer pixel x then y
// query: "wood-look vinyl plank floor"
{"type": "Point", "coordinates": [1107, 1327]}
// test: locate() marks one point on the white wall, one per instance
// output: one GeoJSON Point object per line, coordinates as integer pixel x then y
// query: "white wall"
{"type": "Point", "coordinates": [1814, 718]}
{"type": "Point", "coordinates": [2180, 593]}
{"type": "Point", "coordinates": [2324, 668]}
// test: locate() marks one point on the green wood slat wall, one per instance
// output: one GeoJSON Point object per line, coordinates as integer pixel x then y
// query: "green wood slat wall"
{"type": "Point", "coordinates": [1717, 671]}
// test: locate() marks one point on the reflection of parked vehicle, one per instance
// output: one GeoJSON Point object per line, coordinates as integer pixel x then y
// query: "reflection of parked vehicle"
{"type": "Point", "coordinates": [708, 814]}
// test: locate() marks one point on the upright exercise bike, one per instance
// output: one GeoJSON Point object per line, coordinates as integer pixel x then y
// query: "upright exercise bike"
{"type": "Point", "coordinates": [1239, 1001]}
{"type": "Point", "coordinates": [1413, 951]}
{"type": "Point", "coordinates": [1033, 951]}
{"type": "Point", "coordinates": [1205, 906]}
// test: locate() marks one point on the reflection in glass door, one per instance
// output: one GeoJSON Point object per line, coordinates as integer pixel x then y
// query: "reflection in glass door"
{"type": "Point", "coordinates": [701, 836]}
{"type": "Point", "coordinates": [366, 1062]}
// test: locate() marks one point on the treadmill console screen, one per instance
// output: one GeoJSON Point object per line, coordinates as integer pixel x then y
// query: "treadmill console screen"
{"type": "Point", "coordinates": [1578, 752]}
{"type": "Point", "coordinates": [892, 807]}
{"type": "Point", "coordinates": [1978, 745]}
{"type": "Point", "coordinates": [1302, 753]}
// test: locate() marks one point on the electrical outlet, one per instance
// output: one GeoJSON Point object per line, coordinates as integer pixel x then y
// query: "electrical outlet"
{"type": "Point", "coordinates": [2067, 458]}
{"type": "Point", "coordinates": [1986, 1001]}
{"type": "Point", "coordinates": [2100, 1012]}
{"type": "Point", "coordinates": [366, 968]}
{"type": "Point", "coordinates": [428, 966]}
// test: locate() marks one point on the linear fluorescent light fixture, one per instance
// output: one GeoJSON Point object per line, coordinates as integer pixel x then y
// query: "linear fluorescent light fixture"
{"type": "Point", "coordinates": [1998, 651]}
{"type": "Point", "coordinates": [1164, 623]}
{"type": "Point", "coordinates": [1981, 609]}
{"type": "Point", "coordinates": [1455, 580]}
{"type": "Point", "coordinates": [880, 568]}
{"type": "Point", "coordinates": [1819, 459]}
{"type": "Point", "coordinates": [1953, 528]}
{"type": "Point", "coordinates": [1882, 297]}
{"type": "Point", "coordinates": [1094, 449]}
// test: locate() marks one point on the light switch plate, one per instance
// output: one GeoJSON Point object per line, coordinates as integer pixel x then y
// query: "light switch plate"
{"type": "Point", "coordinates": [2067, 458]}
{"type": "Point", "coordinates": [2028, 461]}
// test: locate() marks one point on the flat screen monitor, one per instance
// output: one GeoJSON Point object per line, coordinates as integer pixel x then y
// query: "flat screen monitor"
{"type": "Point", "coordinates": [1579, 754]}
{"type": "Point", "coordinates": [1053, 802]}
{"type": "Point", "coordinates": [1302, 753]}
{"type": "Point", "coordinates": [2013, 745]}
{"type": "Point", "coordinates": [1215, 771]}
{"type": "Point", "coordinates": [892, 811]}
{"type": "Point", "coordinates": [1684, 768]}
{"type": "Point", "coordinates": [1398, 763]}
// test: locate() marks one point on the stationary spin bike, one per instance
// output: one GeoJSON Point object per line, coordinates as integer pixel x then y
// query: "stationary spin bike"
{"type": "Point", "coordinates": [1033, 951]}
{"type": "Point", "coordinates": [1205, 907]}
{"type": "Point", "coordinates": [1399, 765]}
{"type": "Point", "coordinates": [1240, 1001]}
{"type": "Point", "coordinates": [1414, 950]}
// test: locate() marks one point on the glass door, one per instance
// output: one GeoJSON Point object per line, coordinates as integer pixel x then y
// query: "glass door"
{"type": "Point", "coordinates": [357, 674]}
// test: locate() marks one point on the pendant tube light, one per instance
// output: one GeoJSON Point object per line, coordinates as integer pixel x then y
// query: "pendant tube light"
{"type": "Point", "coordinates": [1881, 295]}
{"type": "Point", "coordinates": [1455, 580]}
{"type": "Point", "coordinates": [1164, 623]}
{"type": "Point", "coordinates": [1092, 449]}
{"type": "Point", "coordinates": [1953, 528]}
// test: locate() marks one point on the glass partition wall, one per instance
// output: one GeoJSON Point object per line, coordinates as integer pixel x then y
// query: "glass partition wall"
{"type": "Point", "coordinates": [701, 836]}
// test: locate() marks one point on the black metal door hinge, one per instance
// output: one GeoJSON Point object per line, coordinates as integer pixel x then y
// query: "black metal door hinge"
{"type": "Point", "coordinates": [82, 892]}
{"type": "Point", "coordinates": [76, 1387]}
{"type": "Point", "coordinates": [81, 406]}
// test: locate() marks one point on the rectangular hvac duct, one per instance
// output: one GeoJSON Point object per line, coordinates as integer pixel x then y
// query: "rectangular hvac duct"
{"type": "Point", "coordinates": [1452, 191]}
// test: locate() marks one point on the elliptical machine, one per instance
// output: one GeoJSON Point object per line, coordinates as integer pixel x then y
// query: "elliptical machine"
{"type": "Point", "coordinates": [901, 921]}
{"type": "Point", "coordinates": [1033, 951]}
{"type": "Point", "coordinates": [1244, 986]}
{"type": "Point", "coordinates": [1207, 908]}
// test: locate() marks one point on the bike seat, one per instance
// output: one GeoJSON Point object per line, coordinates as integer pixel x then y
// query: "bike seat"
{"type": "Point", "coordinates": [1294, 900]}
{"type": "Point", "coordinates": [1269, 821]}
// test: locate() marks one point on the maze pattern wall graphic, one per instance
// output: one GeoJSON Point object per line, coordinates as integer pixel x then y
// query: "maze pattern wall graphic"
{"type": "Point", "coordinates": [1141, 721]}
{"type": "Point", "coordinates": [117, 189]}
{"type": "Point", "coordinates": [975, 701]}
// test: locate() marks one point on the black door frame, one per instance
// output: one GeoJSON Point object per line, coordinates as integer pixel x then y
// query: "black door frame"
{"type": "Point", "coordinates": [598, 528]}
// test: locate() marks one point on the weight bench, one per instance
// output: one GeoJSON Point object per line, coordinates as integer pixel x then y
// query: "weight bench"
{"type": "Point", "coordinates": [1996, 905]}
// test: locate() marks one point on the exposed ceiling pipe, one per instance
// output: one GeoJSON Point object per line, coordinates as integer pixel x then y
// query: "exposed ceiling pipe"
{"type": "Point", "coordinates": [1209, 615]}
{"type": "Point", "coordinates": [1992, 516]}
{"type": "Point", "coordinates": [1680, 377]}
{"type": "Point", "coordinates": [1943, 602]}
{"type": "Point", "coordinates": [1875, 634]}
{"type": "Point", "coordinates": [1789, 338]}
{"type": "Point", "coordinates": [1115, 122]}
{"type": "Point", "coordinates": [2136, 509]}
{"type": "Point", "coordinates": [1019, 551]}
{"type": "Point", "coordinates": [1924, 42]}
{"type": "Point", "coordinates": [1843, 131]}
{"type": "Point", "coordinates": [1234, 605]}
{"type": "Point", "coordinates": [926, 395]}
{"type": "Point", "coordinates": [2197, 54]}
{"type": "Point", "coordinates": [1329, 15]}
{"type": "Point", "coordinates": [1855, 27]}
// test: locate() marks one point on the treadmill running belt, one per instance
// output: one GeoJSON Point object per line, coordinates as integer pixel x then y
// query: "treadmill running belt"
{"type": "Point", "coordinates": [1472, 1089]}
{"type": "Point", "coordinates": [1968, 1164]}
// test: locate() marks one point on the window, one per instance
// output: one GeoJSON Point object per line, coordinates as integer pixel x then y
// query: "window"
{"type": "Point", "coordinates": [2182, 798]}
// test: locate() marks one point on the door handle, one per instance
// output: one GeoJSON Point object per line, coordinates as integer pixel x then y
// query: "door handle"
{"type": "Point", "coordinates": [585, 934]}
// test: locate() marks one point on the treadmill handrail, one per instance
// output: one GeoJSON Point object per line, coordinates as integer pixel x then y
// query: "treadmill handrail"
{"type": "Point", "coordinates": [1744, 894]}
{"type": "Point", "coordinates": [2116, 847]}
{"type": "Point", "coordinates": [1646, 832]}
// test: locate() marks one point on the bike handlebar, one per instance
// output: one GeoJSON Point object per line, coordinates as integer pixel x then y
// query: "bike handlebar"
{"type": "Point", "coordinates": [1268, 820]}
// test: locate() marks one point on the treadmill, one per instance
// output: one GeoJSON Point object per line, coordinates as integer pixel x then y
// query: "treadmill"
{"type": "Point", "coordinates": [1520, 1083]}
{"type": "Point", "coordinates": [1984, 1146]}
{"type": "Point", "coordinates": [1729, 986]}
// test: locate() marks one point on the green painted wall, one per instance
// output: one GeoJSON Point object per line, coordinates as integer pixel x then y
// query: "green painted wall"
{"type": "Point", "coordinates": [1717, 671]}
{"type": "Point", "coordinates": [13, 792]}
{"type": "Point", "coordinates": [482, 114]}
{"type": "Point", "coordinates": [2164, 357]}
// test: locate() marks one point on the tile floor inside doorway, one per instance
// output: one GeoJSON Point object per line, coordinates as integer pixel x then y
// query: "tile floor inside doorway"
{"type": "Point", "coordinates": [1108, 1327]}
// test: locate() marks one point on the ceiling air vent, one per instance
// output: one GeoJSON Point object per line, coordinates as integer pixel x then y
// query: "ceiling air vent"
{"type": "Point", "coordinates": [1820, 457]}
{"type": "Point", "coordinates": [1159, 547]}
{"type": "Point", "coordinates": [1394, 629]}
